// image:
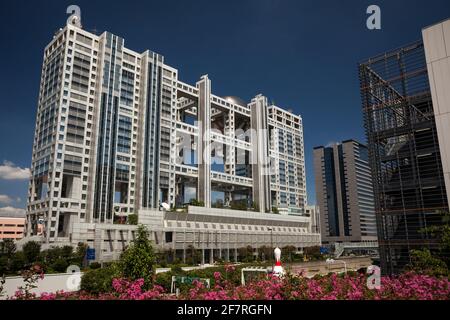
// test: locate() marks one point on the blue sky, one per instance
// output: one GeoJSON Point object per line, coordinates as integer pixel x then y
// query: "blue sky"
{"type": "Point", "coordinates": [301, 54]}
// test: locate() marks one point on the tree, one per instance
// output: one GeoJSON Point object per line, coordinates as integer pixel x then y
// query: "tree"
{"type": "Point", "coordinates": [438, 261]}
{"type": "Point", "coordinates": [79, 254]}
{"type": "Point", "coordinates": [133, 219]}
{"type": "Point", "coordinates": [31, 251]}
{"type": "Point", "coordinates": [7, 248]}
{"type": "Point", "coordinates": [7, 251]}
{"type": "Point", "coordinates": [288, 253]}
{"type": "Point", "coordinates": [424, 262]}
{"type": "Point", "coordinates": [138, 259]}
{"type": "Point", "coordinates": [312, 253]}
{"type": "Point", "coordinates": [246, 254]}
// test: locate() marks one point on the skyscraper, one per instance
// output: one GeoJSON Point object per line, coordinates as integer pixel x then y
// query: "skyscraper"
{"type": "Point", "coordinates": [344, 192]}
{"type": "Point", "coordinates": [405, 105]}
{"type": "Point", "coordinates": [118, 134]}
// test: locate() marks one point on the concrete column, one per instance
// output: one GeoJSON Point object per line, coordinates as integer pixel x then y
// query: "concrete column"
{"type": "Point", "coordinates": [204, 143]}
{"type": "Point", "coordinates": [436, 40]}
{"type": "Point", "coordinates": [260, 153]}
{"type": "Point", "coordinates": [230, 167]}
{"type": "Point", "coordinates": [203, 256]}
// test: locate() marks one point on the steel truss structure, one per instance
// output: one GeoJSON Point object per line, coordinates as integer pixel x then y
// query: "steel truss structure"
{"type": "Point", "coordinates": [404, 153]}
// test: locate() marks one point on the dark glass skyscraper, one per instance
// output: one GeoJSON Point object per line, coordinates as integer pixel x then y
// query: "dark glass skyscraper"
{"type": "Point", "coordinates": [344, 192]}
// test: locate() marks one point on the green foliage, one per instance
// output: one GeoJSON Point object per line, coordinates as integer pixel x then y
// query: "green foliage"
{"type": "Point", "coordinates": [424, 262]}
{"type": "Point", "coordinates": [31, 251]}
{"type": "Point", "coordinates": [238, 205]}
{"type": "Point", "coordinates": [97, 281]}
{"type": "Point", "coordinates": [196, 203]}
{"type": "Point", "coordinates": [193, 255]}
{"type": "Point", "coordinates": [275, 210]}
{"type": "Point", "coordinates": [60, 265]}
{"type": "Point", "coordinates": [7, 248]}
{"type": "Point", "coordinates": [313, 253]}
{"type": "Point", "coordinates": [435, 262]}
{"type": "Point", "coordinates": [245, 254]}
{"type": "Point", "coordinates": [17, 262]}
{"type": "Point", "coordinates": [218, 204]}
{"type": "Point", "coordinates": [288, 253]}
{"type": "Point", "coordinates": [7, 252]}
{"type": "Point", "coordinates": [95, 265]}
{"type": "Point", "coordinates": [133, 219]}
{"type": "Point", "coordinates": [138, 259]}
{"type": "Point", "coordinates": [255, 206]}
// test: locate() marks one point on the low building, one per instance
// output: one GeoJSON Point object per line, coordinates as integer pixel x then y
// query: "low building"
{"type": "Point", "coordinates": [12, 228]}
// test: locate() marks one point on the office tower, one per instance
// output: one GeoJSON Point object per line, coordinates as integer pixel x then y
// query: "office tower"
{"type": "Point", "coordinates": [406, 121]}
{"type": "Point", "coordinates": [344, 192]}
{"type": "Point", "coordinates": [118, 135]}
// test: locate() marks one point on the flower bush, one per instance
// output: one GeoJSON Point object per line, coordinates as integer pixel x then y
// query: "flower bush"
{"type": "Point", "coordinates": [408, 286]}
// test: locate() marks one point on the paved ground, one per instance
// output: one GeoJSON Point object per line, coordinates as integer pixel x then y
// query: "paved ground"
{"type": "Point", "coordinates": [321, 267]}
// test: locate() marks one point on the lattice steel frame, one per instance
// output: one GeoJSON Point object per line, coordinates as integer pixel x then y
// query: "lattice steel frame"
{"type": "Point", "coordinates": [404, 152]}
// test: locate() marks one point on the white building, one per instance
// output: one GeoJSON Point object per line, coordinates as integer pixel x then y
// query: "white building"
{"type": "Point", "coordinates": [118, 134]}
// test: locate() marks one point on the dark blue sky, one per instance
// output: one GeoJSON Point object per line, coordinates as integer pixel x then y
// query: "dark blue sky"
{"type": "Point", "coordinates": [301, 54]}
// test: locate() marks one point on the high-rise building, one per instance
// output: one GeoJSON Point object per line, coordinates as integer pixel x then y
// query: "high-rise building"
{"type": "Point", "coordinates": [405, 100]}
{"type": "Point", "coordinates": [344, 193]}
{"type": "Point", "coordinates": [118, 135]}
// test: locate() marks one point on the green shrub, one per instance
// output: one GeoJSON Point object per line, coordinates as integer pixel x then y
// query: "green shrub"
{"type": "Point", "coordinates": [95, 265]}
{"type": "Point", "coordinates": [196, 203]}
{"type": "Point", "coordinates": [138, 259]}
{"type": "Point", "coordinates": [133, 219]}
{"type": "Point", "coordinates": [17, 262]}
{"type": "Point", "coordinates": [97, 281]}
{"type": "Point", "coordinates": [31, 251]}
{"type": "Point", "coordinates": [164, 280]}
{"type": "Point", "coordinates": [60, 265]}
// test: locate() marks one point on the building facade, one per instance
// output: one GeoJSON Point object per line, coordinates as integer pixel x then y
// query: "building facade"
{"type": "Point", "coordinates": [117, 134]}
{"type": "Point", "coordinates": [405, 104]}
{"type": "Point", "coordinates": [12, 228]}
{"type": "Point", "coordinates": [345, 193]}
{"type": "Point", "coordinates": [314, 213]}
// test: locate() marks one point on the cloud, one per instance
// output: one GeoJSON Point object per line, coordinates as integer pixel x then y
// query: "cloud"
{"type": "Point", "coordinates": [5, 199]}
{"type": "Point", "coordinates": [12, 212]}
{"type": "Point", "coordinates": [9, 171]}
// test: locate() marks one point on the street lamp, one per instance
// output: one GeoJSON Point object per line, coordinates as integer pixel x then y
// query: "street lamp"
{"type": "Point", "coordinates": [331, 261]}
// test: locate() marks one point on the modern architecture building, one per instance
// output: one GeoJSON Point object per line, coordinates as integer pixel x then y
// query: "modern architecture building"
{"type": "Point", "coordinates": [406, 104]}
{"type": "Point", "coordinates": [118, 135]}
{"type": "Point", "coordinates": [344, 193]}
{"type": "Point", "coordinates": [12, 227]}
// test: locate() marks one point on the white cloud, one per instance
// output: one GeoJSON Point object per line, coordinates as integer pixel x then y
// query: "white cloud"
{"type": "Point", "coordinates": [12, 212]}
{"type": "Point", "coordinates": [5, 199]}
{"type": "Point", "coordinates": [9, 171]}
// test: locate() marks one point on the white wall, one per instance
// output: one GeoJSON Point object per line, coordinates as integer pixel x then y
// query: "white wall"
{"type": "Point", "coordinates": [437, 50]}
{"type": "Point", "coordinates": [50, 284]}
